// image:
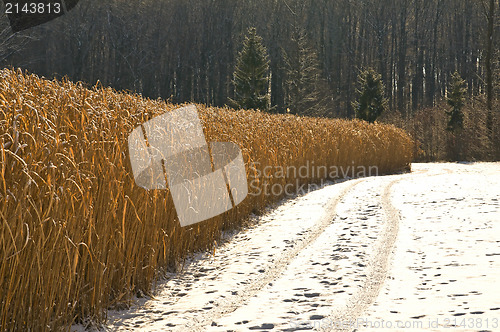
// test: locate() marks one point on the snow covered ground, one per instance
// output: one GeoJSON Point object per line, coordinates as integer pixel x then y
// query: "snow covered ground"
{"type": "Point", "coordinates": [412, 251]}
{"type": "Point", "coordinates": [446, 263]}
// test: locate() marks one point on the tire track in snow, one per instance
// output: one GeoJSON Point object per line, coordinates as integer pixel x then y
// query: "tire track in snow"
{"type": "Point", "coordinates": [377, 267]}
{"type": "Point", "coordinates": [343, 269]}
{"type": "Point", "coordinates": [225, 306]}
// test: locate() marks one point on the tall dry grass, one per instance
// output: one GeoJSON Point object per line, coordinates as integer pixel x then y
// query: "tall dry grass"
{"type": "Point", "coordinates": [77, 235]}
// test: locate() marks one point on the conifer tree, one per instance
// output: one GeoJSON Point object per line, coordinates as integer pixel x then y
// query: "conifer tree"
{"type": "Point", "coordinates": [305, 89]}
{"type": "Point", "coordinates": [455, 98]}
{"type": "Point", "coordinates": [251, 76]}
{"type": "Point", "coordinates": [371, 103]}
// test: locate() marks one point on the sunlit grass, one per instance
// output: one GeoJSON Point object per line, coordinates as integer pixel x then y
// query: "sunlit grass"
{"type": "Point", "coordinates": [77, 235]}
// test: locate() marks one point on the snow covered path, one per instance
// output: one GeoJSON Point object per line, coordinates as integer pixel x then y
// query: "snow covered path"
{"type": "Point", "coordinates": [419, 250]}
{"type": "Point", "coordinates": [446, 263]}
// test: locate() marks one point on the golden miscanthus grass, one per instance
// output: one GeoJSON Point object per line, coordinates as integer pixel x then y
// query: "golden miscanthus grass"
{"type": "Point", "coordinates": [77, 235]}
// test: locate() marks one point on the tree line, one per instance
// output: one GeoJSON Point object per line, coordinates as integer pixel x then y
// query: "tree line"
{"type": "Point", "coordinates": [186, 50]}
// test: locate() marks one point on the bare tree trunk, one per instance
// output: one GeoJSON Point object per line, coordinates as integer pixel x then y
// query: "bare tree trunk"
{"type": "Point", "coordinates": [489, 56]}
{"type": "Point", "coordinates": [489, 74]}
{"type": "Point", "coordinates": [401, 86]}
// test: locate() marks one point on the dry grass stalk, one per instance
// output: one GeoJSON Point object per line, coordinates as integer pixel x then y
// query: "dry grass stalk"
{"type": "Point", "coordinates": [77, 234]}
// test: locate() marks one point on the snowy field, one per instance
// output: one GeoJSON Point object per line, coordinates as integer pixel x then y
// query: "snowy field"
{"type": "Point", "coordinates": [418, 251]}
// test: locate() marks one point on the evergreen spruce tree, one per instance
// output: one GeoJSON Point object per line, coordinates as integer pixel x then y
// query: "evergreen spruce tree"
{"type": "Point", "coordinates": [305, 89]}
{"type": "Point", "coordinates": [371, 102]}
{"type": "Point", "coordinates": [251, 76]}
{"type": "Point", "coordinates": [455, 98]}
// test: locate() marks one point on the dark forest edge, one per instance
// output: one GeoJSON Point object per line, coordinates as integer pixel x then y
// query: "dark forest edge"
{"type": "Point", "coordinates": [187, 51]}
